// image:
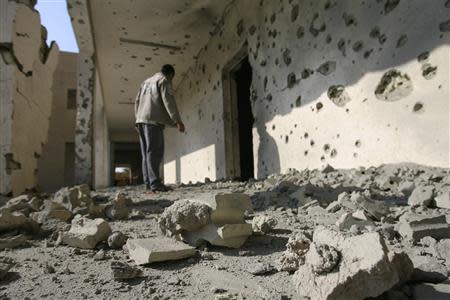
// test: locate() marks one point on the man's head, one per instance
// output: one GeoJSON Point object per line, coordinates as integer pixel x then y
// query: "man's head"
{"type": "Point", "coordinates": [168, 71]}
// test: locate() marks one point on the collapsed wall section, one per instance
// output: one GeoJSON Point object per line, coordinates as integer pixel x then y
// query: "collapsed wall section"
{"type": "Point", "coordinates": [26, 76]}
{"type": "Point", "coordinates": [346, 83]}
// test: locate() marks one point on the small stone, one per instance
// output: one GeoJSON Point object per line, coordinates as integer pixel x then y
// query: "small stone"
{"type": "Point", "coordinates": [263, 223]}
{"type": "Point", "coordinates": [258, 269]}
{"type": "Point", "coordinates": [100, 255]}
{"type": "Point", "coordinates": [421, 196]}
{"type": "Point", "coordinates": [116, 240]}
{"type": "Point", "coordinates": [123, 271]}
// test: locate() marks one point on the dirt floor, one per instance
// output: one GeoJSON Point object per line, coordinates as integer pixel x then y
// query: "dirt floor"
{"type": "Point", "coordinates": [44, 270]}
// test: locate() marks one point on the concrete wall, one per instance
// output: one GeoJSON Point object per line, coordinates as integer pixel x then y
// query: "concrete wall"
{"type": "Point", "coordinates": [323, 88]}
{"type": "Point", "coordinates": [53, 172]}
{"type": "Point", "coordinates": [26, 76]}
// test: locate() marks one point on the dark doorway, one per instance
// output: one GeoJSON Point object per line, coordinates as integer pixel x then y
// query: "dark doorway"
{"type": "Point", "coordinates": [242, 76]}
{"type": "Point", "coordinates": [127, 164]}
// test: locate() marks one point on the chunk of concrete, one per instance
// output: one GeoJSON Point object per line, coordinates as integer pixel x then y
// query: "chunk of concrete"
{"type": "Point", "coordinates": [443, 199]}
{"type": "Point", "coordinates": [118, 209]}
{"type": "Point", "coordinates": [366, 268]}
{"type": "Point", "coordinates": [6, 264]}
{"type": "Point", "coordinates": [67, 197]}
{"type": "Point", "coordinates": [416, 226]}
{"type": "Point", "coordinates": [421, 196]}
{"type": "Point", "coordinates": [52, 210]}
{"type": "Point", "coordinates": [346, 221]}
{"type": "Point", "coordinates": [294, 256]}
{"type": "Point", "coordinates": [86, 233]}
{"type": "Point", "coordinates": [428, 269]}
{"type": "Point", "coordinates": [145, 251]}
{"type": "Point", "coordinates": [263, 223]}
{"type": "Point", "coordinates": [117, 239]}
{"type": "Point", "coordinates": [376, 209]}
{"type": "Point", "coordinates": [228, 208]}
{"type": "Point", "coordinates": [228, 235]}
{"type": "Point", "coordinates": [12, 240]}
{"type": "Point", "coordinates": [122, 271]}
{"type": "Point", "coordinates": [11, 221]}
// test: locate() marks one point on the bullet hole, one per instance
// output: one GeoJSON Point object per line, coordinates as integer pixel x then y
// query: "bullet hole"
{"type": "Point", "coordinates": [81, 21]}
{"type": "Point", "coordinates": [305, 153]}
{"type": "Point", "coordinates": [213, 117]}
{"type": "Point", "coordinates": [300, 32]}
{"type": "Point", "coordinates": [265, 83]}
{"type": "Point", "coordinates": [286, 139]}
{"type": "Point", "coordinates": [393, 86]}
{"type": "Point", "coordinates": [326, 148]}
{"type": "Point", "coordinates": [428, 71]}
{"type": "Point", "coordinates": [322, 158]}
{"type": "Point", "coordinates": [390, 5]}
{"type": "Point", "coordinates": [355, 155]}
{"type": "Point", "coordinates": [423, 56]}
{"type": "Point", "coordinates": [368, 53]}
{"type": "Point", "coordinates": [327, 68]}
{"type": "Point", "coordinates": [375, 32]}
{"type": "Point", "coordinates": [306, 135]}
{"type": "Point", "coordinates": [133, 56]}
{"type": "Point", "coordinates": [333, 153]}
{"type": "Point", "coordinates": [294, 13]}
{"type": "Point", "coordinates": [291, 80]}
{"type": "Point", "coordinates": [148, 58]}
{"type": "Point", "coordinates": [263, 63]}
{"type": "Point", "coordinates": [240, 27]}
{"type": "Point", "coordinates": [357, 46]}
{"type": "Point", "coordinates": [273, 127]}
{"type": "Point", "coordinates": [298, 102]}
{"type": "Point", "coordinates": [287, 57]}
{"type": "Point", "coordinates": [276, 61]}
{"type": "Point", "coordinates": [319, 106]}
{"type": "Point", "coordinates": [273, 18]}
{"type": "Point", "coordinates": [357, 143]}
{"type": "Point", "coordinates": [312, 143]}
{"type": "Point", "coordinates": [269, 97]}
{"type": "Point", "coordinates": [402, 40]}
{"type": "Point", "coordinates": [338, 95]}
{"type": "Point", "coordinates": [418, 107]}
{"type": "Point", "coordinates": [328, 39]}
{"type": "Point", "coordinates": [382, 39]}
{"type": "Point", "coordinates": [445, 26]}
{"type": "Point", "coordinates": [349, 20]}
{"type": "Point", "coordinates": [11, 164]}
{"type": "Point", "coordinates": [306, 73]}
{"type": "Point", "coordinates": [252, 30]}
{"type": "Point", "coordinates": [341, 46]}
{"type": "Point", "coordinates": [313, 30]}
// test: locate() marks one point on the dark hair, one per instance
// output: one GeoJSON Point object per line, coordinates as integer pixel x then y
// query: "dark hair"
{"type": "Point", "coordinates": [168, 70]}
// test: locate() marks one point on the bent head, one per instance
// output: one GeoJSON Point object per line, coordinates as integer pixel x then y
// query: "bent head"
{"type": "Point", "coordinates": [168, 71]}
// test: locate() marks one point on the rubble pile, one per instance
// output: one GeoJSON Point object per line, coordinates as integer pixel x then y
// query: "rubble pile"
{"type": "Point", "coordinates": [379, 233]}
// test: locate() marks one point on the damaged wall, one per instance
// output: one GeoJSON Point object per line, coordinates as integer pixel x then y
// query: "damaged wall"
{"type": "Point", "coordinates": [26, 77]}
{"type": "Point", "coordinates": [349, 83]}
{"type": "Point", "coordinates": [55, 166]}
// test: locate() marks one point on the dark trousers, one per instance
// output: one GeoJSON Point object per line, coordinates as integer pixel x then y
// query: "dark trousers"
{"type": "Point", "coordinates": [152, 149]}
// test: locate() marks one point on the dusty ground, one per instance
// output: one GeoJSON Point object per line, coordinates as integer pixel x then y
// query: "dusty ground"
{"type": "Point", "coordinates": [61, 272]}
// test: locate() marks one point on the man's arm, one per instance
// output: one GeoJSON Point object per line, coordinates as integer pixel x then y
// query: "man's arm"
{"type": "Point", "coordinates": [169, 102]}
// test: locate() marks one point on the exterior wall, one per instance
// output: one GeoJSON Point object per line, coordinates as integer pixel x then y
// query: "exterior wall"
{"type": "Point", "coordinates": [26, 77]}
{"type": "Point", "coordinates": [317, 92]}
{"type": "Point", "coordinates": [52, 171]}
{"type": "Point", "coordinates": [102, 157]}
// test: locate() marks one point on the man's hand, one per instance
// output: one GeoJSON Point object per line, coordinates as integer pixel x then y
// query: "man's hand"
{"type": "Point", "coordinates": [180, 127]}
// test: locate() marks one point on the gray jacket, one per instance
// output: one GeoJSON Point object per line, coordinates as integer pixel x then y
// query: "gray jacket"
{"type": "Point", "coordinates": [155, 102]}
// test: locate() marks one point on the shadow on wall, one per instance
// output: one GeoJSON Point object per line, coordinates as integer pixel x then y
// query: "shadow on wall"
{"type": "Point", "coordinates": [300, 50]}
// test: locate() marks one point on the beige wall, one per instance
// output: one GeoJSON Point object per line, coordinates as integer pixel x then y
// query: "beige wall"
{"type": "Point", "coordinates": [301, 125]}
{"type": "Point", "coordinates": [54, 168]}
{"type": "Point", "coordinates": [26, 77]}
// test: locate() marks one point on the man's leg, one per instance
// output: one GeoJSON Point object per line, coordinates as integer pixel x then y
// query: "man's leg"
{"type": "Point", "coordinates": [158, 153]}
{"type": "Point", "coordinates": [144, 146]}
{"type": "Point", "coordinates": [153, 138]}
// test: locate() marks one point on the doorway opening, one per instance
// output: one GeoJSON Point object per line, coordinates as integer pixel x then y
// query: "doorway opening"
{"type": "Point", "coordinates": [126, 164]}
{"type": "Point", "coordinates": [237, 79]}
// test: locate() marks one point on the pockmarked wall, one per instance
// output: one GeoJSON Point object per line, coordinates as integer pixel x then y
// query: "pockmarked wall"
{"type": "Point", "coordinates": [26, 77]}
{"type": "Point", "coordinates": [346, 83]}
{"type": "Point", "coordinates": [55, 165]}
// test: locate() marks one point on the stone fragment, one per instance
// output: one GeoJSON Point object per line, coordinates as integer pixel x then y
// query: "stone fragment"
{"type": "Point", "coordinates": [145, 251]}
{"type": "Point", "coordinates": [428, 269]}
{"type": "Point", "coordinates": [259, 269]}
{"type": "Point", "coordinates": [263, 223]}
{"type": "Point", "coordinates": [327, 169]}
{"type": "Point", "coordinates": [334, 206]}
{"type": "Point", "coordinates": [394, 86]}
{"type": "Point", "coordinates": [346, 221]}
{"type": "Point", "coordinates": [12, 239]}
{"type": "Point", "coordinates": [122, 271]}
{"type": "Point", "coordinates": [421, 196]}
{"type": "Point", "coordinates": [323, 258]}
{"type": "Point", "coordinates": [52, 210]}
{"type": "Point", "coordinates": [100, 255]}
{"type": "Point", "coordinates": [294, 255]}
{"type": "Point", "coordinates": [366, 268]}
{"type": "Point", "coordinates": [12, 221]}
{"type": "Point", "coordinates": [228, 208]}
{"type": "Point", "coordinates": [375, 209]}
{"type": "Point", "coordinates": [19, 204]}
{"type": "Point", "coordinates": [387, 182]}
{"type": "Point", "coordinates": [360, 214]}
{"type": "Point", "coordinates": [406, 187]}
{"type": "Point", "coordinates": [86, 233]}
{"type": "Point", "coordinates": [303, 195]}
{"type": "Point", "coordinates": [67, 197]}
{"type": "Point", "coordinates": [184, 215]}
{"type": "Point", "coordinates": [443, 251]}
{"type": "Point", "coordinates": [118, 209]}
{"type": "Point", "coordinates": [443, 199]}
{"type": "Point", "coordinates": [6, 264]}
{"type": "Point", "coordinates": [228, 235]}
{"type": "Point", "coordinates": [415, 226]}
{"type": "Point", "coordinates": [116, 240]}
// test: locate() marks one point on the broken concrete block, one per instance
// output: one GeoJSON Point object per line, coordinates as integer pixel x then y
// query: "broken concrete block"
{"type": "Point", "coordinates": [19, 204]}
{"type": "Point", "coordinates": [421, 196]}
{"type": "Point", "coordinates": [86, 233]}
{"type": "Point", "coordinates": [366, 268]}
{"type": "Point", "coordinates": [12, 239]}
{"type": "Point", "coordinates": [323, 258]}
{"type": "Point", "coordinates": [360, 214]}
{"type": "Point", "coordinates": [118, 209]}
{"type": "Point", "coordinates": [443, 199]}
{"type": "Point", "coordinates": [6, 264]}
{"type": "Point", "coordinates": [11, 221]}
{"type": "Point", "coordinates": [184, 215]}
{"type": "Point", "coordinates": [294, 255]}
{"type": "Point", "coordinates": [228, 208]}
{"type": "Point", "coordinates": [145, 251]}
{"type": "Point", "coordinates": [443, 251]}
{"type": "Point", "coordinates": [406, 187]}
{"type": "Point", "coordinates": [259, 269]}
{"type": "Point", "coordinates": [376, 209]}
{"type": "Point", "coordinates": [303, 195]}
{"type": "Point", "coordinates": [52, 210]}
{"type": "Point", "coordinates": [387, 182]}
{"type": "Point", "coordinates": [228, 235]}
{"type": "Point", "coordinates": [122, 271]}
{"type": "Point", "coordinates": [428, 269]}
{"type": "Point", "coordinates": [67, 197]}
{"type": "Point", "coordinates": [334, 206]}
{"type": "Point", "coordinates": [415, 226]}
{"type": "Point", "coordinates": [346, 221]}
{"type": "Point", "coordinates": [263, 223]}
{"type": "Point", "coordinates": [116, 240]}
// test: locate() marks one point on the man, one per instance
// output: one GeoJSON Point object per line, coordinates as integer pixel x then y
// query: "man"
{"type": "Point", "coordinates": [155, 108]}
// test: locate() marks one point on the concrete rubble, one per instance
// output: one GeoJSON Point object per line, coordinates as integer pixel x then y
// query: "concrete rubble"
{"type": "Point", "coordinates": [86, 233]}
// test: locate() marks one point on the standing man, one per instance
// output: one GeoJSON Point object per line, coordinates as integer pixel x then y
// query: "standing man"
{"type": "Point", "coordinates": [155, 107]}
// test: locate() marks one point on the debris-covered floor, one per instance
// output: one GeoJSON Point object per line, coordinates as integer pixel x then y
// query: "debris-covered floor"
{"type": "Point", "coordinates": [323, 234]}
